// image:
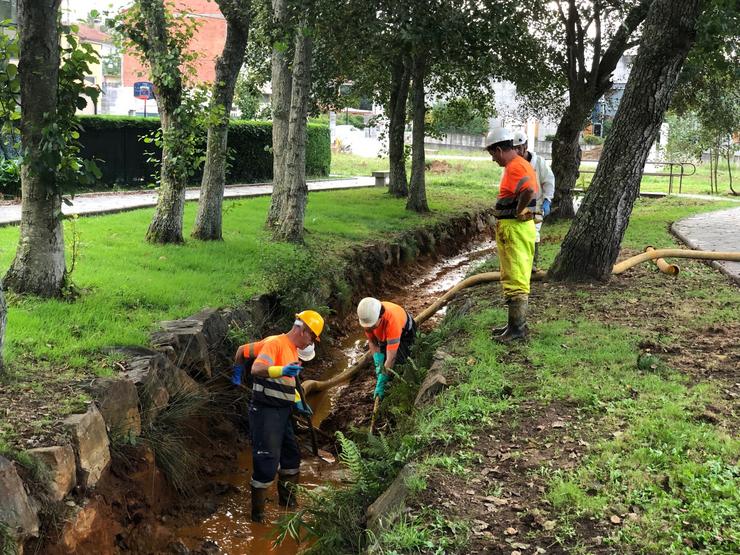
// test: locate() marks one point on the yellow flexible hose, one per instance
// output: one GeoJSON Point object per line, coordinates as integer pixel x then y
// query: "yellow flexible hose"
{"type": "Point", "coordinates": [663, 266]}
{"type": "Point", "coordinates": [311, 386]}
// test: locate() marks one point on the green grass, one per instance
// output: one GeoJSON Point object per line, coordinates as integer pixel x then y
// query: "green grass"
{"type": "Point", "coordinates": [349, 164]}
{"type": "Point", "coordinates": [128, 285]}
{"type": "Point", "coordinates": [672, 477]}
{"type": "Point", "coordinates": [692, 184]}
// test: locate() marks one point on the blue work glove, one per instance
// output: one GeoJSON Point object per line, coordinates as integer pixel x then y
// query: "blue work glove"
{"type": "Point", "coordinates": [291, 370]}
{"type": "Point", "coordinates": [303, 408]}
{"type": "Point", "coordinates": [545, 207]}
{"type": "Point", "coordinates": [380, 385]}
{"type": "Point", "coordinates": [378, 360]}
{"type": "Point", "coordinates": [236, 376]}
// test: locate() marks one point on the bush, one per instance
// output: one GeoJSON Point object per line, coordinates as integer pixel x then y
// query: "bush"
{"type": "Point", "coordinates": [114, 141]}
{"type": "Point", "coordinates": [550, 138]}
{"type": "Point", "coordinates": [593, 140]}
{"type": "Point", "coordinates": [10, 178]}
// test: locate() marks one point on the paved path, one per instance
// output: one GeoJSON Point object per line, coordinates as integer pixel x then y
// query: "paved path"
{"type": "Point", "coordinates": [713, 231]}
{"type": "Point", "coordinates": [101, 203]}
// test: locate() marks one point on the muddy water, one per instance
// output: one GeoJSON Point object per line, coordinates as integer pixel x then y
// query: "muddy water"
{"type": "Point", "coordinates": [230, 527]}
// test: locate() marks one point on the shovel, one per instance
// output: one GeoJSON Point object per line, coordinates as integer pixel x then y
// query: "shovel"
{"type": "Point", "coordinates": [325, 456]}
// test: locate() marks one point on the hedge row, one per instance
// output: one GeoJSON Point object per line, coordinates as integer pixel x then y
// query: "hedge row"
{"type": "Point", "coordinates": [115, 141]}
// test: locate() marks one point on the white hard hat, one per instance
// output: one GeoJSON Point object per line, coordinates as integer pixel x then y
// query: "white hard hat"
{"type": "Point", "coordinates": [520, 138]}
{"type": "Point", "coordinates": [498, 135]}
{"type": "Point", "coordinates": [307, 354]}
{"type": "Point", "coordinates": [368, 311]}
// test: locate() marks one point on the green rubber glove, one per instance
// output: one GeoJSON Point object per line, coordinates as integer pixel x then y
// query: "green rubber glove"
{"type": "Point", "coordinates": [380, 385]}
{"type": "Point", "coordinates": [378, 360]}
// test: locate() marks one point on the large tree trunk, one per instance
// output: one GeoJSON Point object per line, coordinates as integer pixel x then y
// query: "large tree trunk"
{"type": "Point", "coordinates": [566, 157]}
{"type": "Point", "coordinates": [400, 80]}
{"type": "Point", "coordinates": [281, 99]}
{"type": "Point", "coordinates": [592, 244]}
{"type": "Point", "coordinates": [417, 190]}
{"type": "Point", "coordinates": [290, 222]}
{"type": "Point", "coordinates": [166, 225]}
{"type": "Point", "coordinates": [38, 267]}
{"type": "Point", "coordinates": [208, 220]}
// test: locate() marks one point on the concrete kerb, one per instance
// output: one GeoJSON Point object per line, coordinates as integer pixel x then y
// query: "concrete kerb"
{"type": "Point", "coordinates": [716, 264]}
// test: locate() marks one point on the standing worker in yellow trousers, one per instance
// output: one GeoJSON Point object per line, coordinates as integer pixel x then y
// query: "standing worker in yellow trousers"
{"type": "Point", "coordinates": [515, 230]}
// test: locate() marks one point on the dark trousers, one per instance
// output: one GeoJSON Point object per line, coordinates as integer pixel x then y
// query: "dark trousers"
{"type": "Point", "coordinates": [273, 444]}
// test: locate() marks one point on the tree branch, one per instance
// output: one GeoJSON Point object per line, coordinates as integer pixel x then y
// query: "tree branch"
{"type": "Point", "coordinates": [597, 43]}
{"type": "Point", "coordinates": [619, 44]}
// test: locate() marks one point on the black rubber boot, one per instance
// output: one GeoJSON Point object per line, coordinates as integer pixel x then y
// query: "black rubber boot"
{"type": "Point", "coordinates": [259, 496]}
{"type": "Point", "coordinates": [287, 490]}
{"type": "Point", "coordinates": [517, 328]}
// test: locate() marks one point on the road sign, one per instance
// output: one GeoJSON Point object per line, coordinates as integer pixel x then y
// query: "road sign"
{"type": "Point", "coordinates": [144, 90]}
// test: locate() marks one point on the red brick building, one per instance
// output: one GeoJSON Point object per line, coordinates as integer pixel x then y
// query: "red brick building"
{"type": "Point", "coordinates": [208, 42]}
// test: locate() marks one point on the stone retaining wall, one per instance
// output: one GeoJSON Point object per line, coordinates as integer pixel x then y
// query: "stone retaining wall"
{"type": "Point", "coordinates": [184, 354]}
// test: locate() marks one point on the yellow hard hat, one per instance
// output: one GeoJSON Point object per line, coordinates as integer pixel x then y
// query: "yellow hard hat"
{"type": "Point", "coordinates": [313, 320]}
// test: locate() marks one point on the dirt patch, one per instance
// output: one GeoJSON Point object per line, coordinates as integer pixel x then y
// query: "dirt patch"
{"type": "Point", "coordinates": [503, 496]}
{"type": "Point", "coordinates": [442, 167]}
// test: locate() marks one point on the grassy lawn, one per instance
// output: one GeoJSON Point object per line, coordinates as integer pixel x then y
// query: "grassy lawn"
{"type": "Point", "coordinates": [126, 286]}
{"type": "Point", "coordinates": [612, 430]}
{"type": "Point", "coordinates": [348, 164]}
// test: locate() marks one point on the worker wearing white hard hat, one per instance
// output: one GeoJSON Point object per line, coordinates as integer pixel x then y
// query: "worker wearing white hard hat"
{"type": "Point", "coordinates": [515, 230]}
{"type": "Point", "coordinates": [545, 182]}
{"type": "Point", "coordinates": [390, 332]}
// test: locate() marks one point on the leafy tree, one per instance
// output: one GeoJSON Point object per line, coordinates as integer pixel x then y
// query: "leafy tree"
{"type": "Point", "coordinates": [591, 246]}
{"type": "Point", "coordinates": [684, 138]}
{"type": "Point", "coordinates": [709, 85]}
{"type": "Point", "coordinates": [584, 40]}
{"type": "Point", "coordinates": [456, 116]}
{"type": "Point", "coordinates": [52, 78]}
{"type": "Point", "coordinates": [247, 97]}
{"type": "Point", "coordinates": [208, 220]}
{"type": "Point", "coordinates": [159, 36]}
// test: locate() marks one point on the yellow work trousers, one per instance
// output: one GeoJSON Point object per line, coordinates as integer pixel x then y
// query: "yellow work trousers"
{"type": "Point", "coordinates": [515, 244]}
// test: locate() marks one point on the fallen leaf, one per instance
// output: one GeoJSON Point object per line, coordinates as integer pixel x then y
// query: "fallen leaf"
{"type": "Point", "coordinates": [519, 545]}
{"type": "Point", "coordinates": [615, 519]}
{"type": "Point", "coordinates": [511, 531]}
{"type": "Point", "coordinates": [558, 424]}
{"type": "Point", "coordinates": [548, 525]}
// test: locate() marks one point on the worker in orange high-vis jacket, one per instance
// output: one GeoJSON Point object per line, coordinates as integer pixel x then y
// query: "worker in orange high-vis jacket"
{"type": "Point", "coordinates": [390, 332]}
{"type": "Point", "coordinates": [515, 230]}
{"type": "Point", "coordinates": [247, 353]}
{"type": "Point", "coordinates": [274, 446]}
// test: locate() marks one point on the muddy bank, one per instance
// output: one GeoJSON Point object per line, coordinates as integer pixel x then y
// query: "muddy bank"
{"type": "Point", "coordinates": [108, 493]}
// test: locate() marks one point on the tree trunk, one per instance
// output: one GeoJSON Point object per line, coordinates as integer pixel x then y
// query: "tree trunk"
{"type": "Point", "coordinates": [400, 80]}
{"type": "Point", "coordinates": [290, 222]}
{"type": "Point", "coordinates": [208, 220]}
{"type": "Point", "coordinates": [729, 167]}
{"type": "Point", "coordinates": [39, 266]}
{"type": "Point", "coordinates": [417, 190]}
{"type": "Point", "coordinates": [166, 225]}
{"type": "Point", "coordinates": [592, 244]}
{"type": "Point", "coordinates": [566, 158]}
{"type": "Point", "coordinates": [281, 101]}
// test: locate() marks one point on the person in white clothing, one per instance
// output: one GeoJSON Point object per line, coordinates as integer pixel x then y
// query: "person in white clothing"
{"type": "Point", "coordinates": [545, 182]}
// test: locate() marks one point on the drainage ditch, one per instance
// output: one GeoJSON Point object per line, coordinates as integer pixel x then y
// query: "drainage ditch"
{"type": "Point", "coordinates": [229, 529]}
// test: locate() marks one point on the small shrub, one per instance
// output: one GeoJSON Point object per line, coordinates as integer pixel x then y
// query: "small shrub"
{"type": "Point", "coordinates": [10, 177]}
{"type": "Point", "coordinates": [593, 140]}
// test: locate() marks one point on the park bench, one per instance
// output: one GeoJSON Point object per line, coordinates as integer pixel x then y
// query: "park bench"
{"type": "Point", "coordinates": [380, 177]}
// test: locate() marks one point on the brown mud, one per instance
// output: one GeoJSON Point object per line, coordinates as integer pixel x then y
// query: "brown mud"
{"type": "Point", "coordinates": [503, 496]}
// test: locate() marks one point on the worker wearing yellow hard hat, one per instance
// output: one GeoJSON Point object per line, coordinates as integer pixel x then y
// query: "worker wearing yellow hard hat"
{"type": "Point", "coordinates": [274, 446]}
